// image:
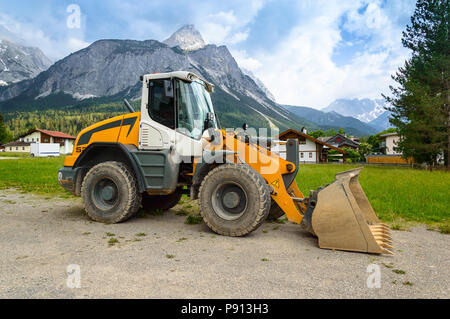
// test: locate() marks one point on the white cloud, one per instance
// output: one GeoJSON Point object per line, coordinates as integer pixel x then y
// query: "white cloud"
{"type": "Point", "coordinates": [300, 69]}
{"type": "Point", "coordinates": [75, 44]}
{"type": "Point", "coordinates": [245, 61]}
{"type": "Point", "coordinates": [239, 37]}
{"type": "Point", "coordinates": [55, 47]}
{"type": "Point", "coordinates": [228, 26]}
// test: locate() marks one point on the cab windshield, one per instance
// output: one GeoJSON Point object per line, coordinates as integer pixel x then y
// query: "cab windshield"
{"type": "Point", "coordinates": [194, 103]}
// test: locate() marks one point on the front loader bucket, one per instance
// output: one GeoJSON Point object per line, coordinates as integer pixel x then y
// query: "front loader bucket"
{"type": "Point", "coordinates": [342, 218]}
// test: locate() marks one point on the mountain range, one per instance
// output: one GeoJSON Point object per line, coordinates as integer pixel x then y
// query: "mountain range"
{"type": "Point", "coordinates": [333, 120]}
{"type": "Point", "coordinates": [108, 70]}
{"type": "Point", "coordinates": [368, 111]}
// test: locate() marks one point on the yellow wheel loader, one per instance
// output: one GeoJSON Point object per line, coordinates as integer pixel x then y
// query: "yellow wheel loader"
{"type": "Point", "coordinates": [174, 146]}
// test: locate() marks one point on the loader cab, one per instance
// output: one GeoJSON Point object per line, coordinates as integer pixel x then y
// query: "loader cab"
{"type": "Point", "coordinates": [176, 109]}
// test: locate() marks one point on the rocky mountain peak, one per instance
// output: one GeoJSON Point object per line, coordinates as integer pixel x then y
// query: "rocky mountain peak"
{"type": "Point", "coordinates": [18, 62]}
{"type": "Point", "coordinates": [187, 38]}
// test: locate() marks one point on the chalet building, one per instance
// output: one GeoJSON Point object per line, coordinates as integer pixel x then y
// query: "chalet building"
{"type": "Point", "coordinates": [389, 144]}
{"type": "Point", "coordinates": [65, 141]}
{"type": "Point", "coordinates": [341, 141]}
{"type": "Point", "coordinates": [17, 146]}
{"type": "Point", "coordinates": [311, 150]}
{"type": "Point", "coordinates": [390, 153]}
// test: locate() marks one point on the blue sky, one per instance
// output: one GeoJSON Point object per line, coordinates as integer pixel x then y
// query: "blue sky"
{"type": "Point", "coordinates": [307, 52]}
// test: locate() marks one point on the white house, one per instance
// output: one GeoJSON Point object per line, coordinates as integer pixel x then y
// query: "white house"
{"type": "Point", "coordinates": [65, 141]}
{"type": "Point", "coordinates": [311, 150]}
{"type": "Point", "coordinates": [389, 143]}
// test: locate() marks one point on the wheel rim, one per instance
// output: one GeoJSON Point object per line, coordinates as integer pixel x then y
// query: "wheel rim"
{"type": "Point", "coordinates": [106, 194]}
{"type": "Point", "coordinates": [229, 200]}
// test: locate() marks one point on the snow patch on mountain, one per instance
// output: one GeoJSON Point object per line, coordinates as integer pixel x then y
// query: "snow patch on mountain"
{"type": "Point", "coordinates": [223, 87]}
{"type": "Point", "coordinates": [81, 97]}
{"type": "Point", "coordinates": [43, 94]}
{"type": "Point", "coordinates": [3, 83]}
{"type": "Point", "coordinates": [5, 67]}
{"type": "Point", "coordinates": [375, 113]}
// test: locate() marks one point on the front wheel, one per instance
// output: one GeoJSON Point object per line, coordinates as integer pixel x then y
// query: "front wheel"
{"type": "Point", "coordinates": [234, 200]}
{"type": "Point", "coordinates": [110, 193]}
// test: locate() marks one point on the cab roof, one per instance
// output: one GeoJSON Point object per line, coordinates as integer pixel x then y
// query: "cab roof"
{"type": "Point", "coordinates": [183, 75]}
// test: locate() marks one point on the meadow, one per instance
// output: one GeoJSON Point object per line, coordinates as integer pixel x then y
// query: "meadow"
{"type": "Point", "coordinates": [397, 194]}
{"type": "Point", "coordinates": [400, 196]}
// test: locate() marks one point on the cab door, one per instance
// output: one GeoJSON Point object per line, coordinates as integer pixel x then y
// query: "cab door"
{"type": "Point", "coordinates": [190, 119]}
{"type": "Point", "coordinates": [157, 127]}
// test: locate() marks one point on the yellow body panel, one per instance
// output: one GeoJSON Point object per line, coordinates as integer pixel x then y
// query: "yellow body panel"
{"type": "Point", "coordinates": [123, 129]}
{"type": "Point", "coordinates": [129, 134]}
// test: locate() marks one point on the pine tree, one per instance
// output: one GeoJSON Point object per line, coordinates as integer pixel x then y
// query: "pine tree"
{"type": "Point", "coordinates": [2, 130]}
{"type": "Point", "coordinates": [421, 102]}
{"type": "Point", "coordinates": [5, 135]}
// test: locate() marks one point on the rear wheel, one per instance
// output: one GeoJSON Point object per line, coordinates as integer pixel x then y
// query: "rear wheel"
{"type": "Point", "coordinates": [110, 193]}
{"type": "Point", "coordinates": [234, 200]}
{"type": "Point", "coordinates": [163, 202]}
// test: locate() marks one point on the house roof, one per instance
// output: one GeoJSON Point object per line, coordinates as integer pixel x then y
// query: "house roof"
{"type": "Point", "coordinates": [341, 139]}
{"type": "Point", "coordinates": [311, 139]}
{"type": "Point", "coordinates": [324, 138]}
{"type": "Point", "coordinates": [388, 134]}
{"type": "Point", "coordinates": [17, 143]}
{"type": "Point", "coordinates": [52, 133]}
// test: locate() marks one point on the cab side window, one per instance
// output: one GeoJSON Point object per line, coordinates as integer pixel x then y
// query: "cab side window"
{"type": "Point", "coordinates": [161, 106]}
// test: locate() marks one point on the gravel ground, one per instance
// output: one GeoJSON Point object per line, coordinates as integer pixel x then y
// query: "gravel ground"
{"type": "Point", "coordinates": [40, 237]}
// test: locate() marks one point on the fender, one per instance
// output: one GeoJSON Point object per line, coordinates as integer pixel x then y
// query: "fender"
{"type": "Point", "coordinates": [123, 151]}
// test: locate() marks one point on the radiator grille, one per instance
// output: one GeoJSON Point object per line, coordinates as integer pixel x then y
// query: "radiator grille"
{"type": "Point", "coordinates": [145, 137]}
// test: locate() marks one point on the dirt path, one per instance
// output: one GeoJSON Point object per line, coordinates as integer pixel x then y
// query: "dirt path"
{"type": "Point", "coordinates": [40, 237]}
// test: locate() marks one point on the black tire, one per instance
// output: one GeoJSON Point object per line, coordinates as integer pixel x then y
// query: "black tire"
{"type": "Point", "coordinates": [110, 193]}
{"type": "Point", "coordinates": [163, 202]}
{"type": "Point", "coordinates": [234, 200]}
{"type": "Point", "coordinates": [275, 211]}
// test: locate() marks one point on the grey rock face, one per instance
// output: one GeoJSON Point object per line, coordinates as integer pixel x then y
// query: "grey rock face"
{"type": "Point", "coordinates": [187, 38]}
{"type": "Point", "coordinates": [259, 83]}
{"type": "Point", "coordinates": [108, 67]}
{"type": "Point", "coordinates": [19, 62]}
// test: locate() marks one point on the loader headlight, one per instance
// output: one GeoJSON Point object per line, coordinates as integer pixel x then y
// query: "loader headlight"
{"type": "Point", "coordinates": [59, 176]}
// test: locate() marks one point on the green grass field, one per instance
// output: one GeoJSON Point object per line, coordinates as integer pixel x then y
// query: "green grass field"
{"type": "Point", "coordinates": [35, 175]}
{"type": "Point", "coordinates": [398, 195]}
{"type": "Point", "coordinates": [14, 154]}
